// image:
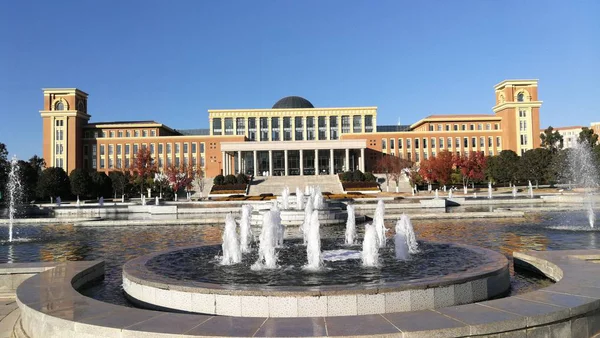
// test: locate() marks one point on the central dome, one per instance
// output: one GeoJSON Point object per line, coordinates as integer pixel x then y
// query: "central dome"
{"type": "Point", "coordinates": [292, 102]}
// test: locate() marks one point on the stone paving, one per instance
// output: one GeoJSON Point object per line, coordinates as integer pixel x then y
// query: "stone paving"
{"type": "Point", "coordinates": [9, 313]}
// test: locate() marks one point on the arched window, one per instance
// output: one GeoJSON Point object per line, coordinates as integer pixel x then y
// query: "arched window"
{"type": "Point", "coordinates": [59, 106]}
{"type": "Point", "coordinates": [520, 97]}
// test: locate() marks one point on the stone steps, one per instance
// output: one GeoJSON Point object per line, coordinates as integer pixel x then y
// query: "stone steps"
{"type": "Point", "coordinates": [275, 184]}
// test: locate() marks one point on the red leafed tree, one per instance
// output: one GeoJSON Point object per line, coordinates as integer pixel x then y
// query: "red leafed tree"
{"type": "Point", "coordinates": [391, 166]}
{"type": "Point", "coordinates": [438, 169]}
{"type": "Point", "coordinates": [143, 165]}
{"type": "Point", "coordinates": [179, 177]}
{"type": "Point", "coordinates": [472, 167]}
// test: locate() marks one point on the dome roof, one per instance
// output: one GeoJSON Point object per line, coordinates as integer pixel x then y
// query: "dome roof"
{"type": "Point", "coordinates": [291, 102]}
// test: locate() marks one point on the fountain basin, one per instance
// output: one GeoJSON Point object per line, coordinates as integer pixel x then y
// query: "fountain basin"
{"type": "Point", "coordinates": [290, 217]}
{"type": "Point", "coordinates": [200, 291]}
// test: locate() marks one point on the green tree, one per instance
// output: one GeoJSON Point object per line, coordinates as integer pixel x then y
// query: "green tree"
{"type": "Point", "coordinates": [588, 135]}
{"type": "Point", "coordinates": [534, 165]}
{"type": "Point", "coordinates": [80, 182]}
{"type": "Point", "coordinates": [30, 172]}
{"type": "Point", "coordinates": [4, 168]}
{"type": "Point", "coordinates": [507, 167]}
{"type": "Point", "coordinates": [53, 182]}
{"type": "Point", "coordinates": [100, 184]}
{"type": "Point", "coordinates": [119, 182]}
{"type": "Point", "coordinates": [558, 170]}
{"type": "Point", "coordinates": [552, 139]}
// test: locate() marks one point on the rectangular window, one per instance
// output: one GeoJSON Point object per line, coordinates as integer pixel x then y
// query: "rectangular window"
{"type": "Point", "coordinates": [201, 147]}
{"type": "Point", "coordinates": [456, 127]}
{"type": "Point", "coordinates": [152, 148]}
{"type": "Point", "coordinates": [240, 126]}
{"type": "Point", "coordinates": [299, 122]}
{"type": "Point", "coordinates": [392, 144]}
{"type": "Point", "coordinates": [102, 150]}
{"type": "Point", "coordinates": [85, 150]}
{"type": "Point", "coordinates": [424, 156]}
{"type": "Point", "coordinates": [333, 127]}
{"type": "Point", "coordinates": [424, 143]}
{"type": "Point", "coordinates": [185, 148]}
{"type": "Point", "coordinates": [144, 133]}
{"type": "Point", "coordinates": [416, 143]}
{"type": "Point", "coordinates": [322, 124]}
{"type": "Point", "coordinates": [498, 143]}
{"type": "Point", "coordinates": [177, 148]}
{"type": "Point", "coordinates": [135, 149]}
{"type": "Point", "coordinates": [447, 127]}
{"type": "Point", "coordinates": [194, 147]}
{"type": "Point", "coordinates": [472, 127]}
{"type": "Point", "coordinates": [357, 121]}
{"type": "Point", "coordinates": [120, 133]}
{"type": "Point", "coordinates": [252, 128]}
{"type": "Point", "coordinates": [202, 161]}
{"type": "Point", "coordinates": [399, 143]}
{"type": "Point", "coordinates": [111, 134]}
{"type": "Point", "coordinates": [482, 142]}
{"type": "Point", "coordinates": [228, 126]}
{"type": "Point", "coordinates": [118, 149]}
{"type": "Point", "coordinates": [310, 128]}
{"type": "Point", "coordinates": [523, 140]}
{"type": "Point", "coordinates": [432, 142]}
{"type": "Point", "coordinates": [466, 142]}
{"type": "Point", "coordinates": [345, 124]}
{"type": "Point", "coordinates": [160, 148]}
{"type": "Point", "coordinates": [287, 128]}
{"type": "Point", "coordinates": [407, 143]}
{"type": "Point", "coordinates": [464, 127]}
{"type": "Point", "coordinates": [217, 127]}
{"type": "Point", "coordinates": [136, 133]}
{"type": "Point", "coordinates": [102, 163]}
{"type": "Point", "coordinates": [431, 127]}
{"type": "Point", "coordinates": [439, 127]}
{"type": "Point", "coordinates": [457, 143]}
{"type": "Point", "coordinates": [264, 128]}
{"type": "Point", "coordinates": [94, 163]}
{"type": "Point", "coordinates": [409, 155]}
{"type": "Point", "coordinates": [275, 129]}
{"type": "Point", "coordinates": [368, 123]}
{"type": "Point", "coordinates": [417, 157]}
{"type": "Point", "coordinates": [383, 144]}
{"type": "Point", "coordinates": [153, 132]}
{"type": "Point", "coordinates": [441, 142]}
{"type": "Point", "coordinates": [118, 163]}
{"type": "Point", "coordinates": [473, 142]}
{"type": "Point", "coordinates": [490, 142]}
{"type": "Point", "coordinates": [127, 133]}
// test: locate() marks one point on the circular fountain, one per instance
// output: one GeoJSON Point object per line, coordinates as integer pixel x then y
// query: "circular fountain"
{"type": "Point", "coordinates": [314, 276]}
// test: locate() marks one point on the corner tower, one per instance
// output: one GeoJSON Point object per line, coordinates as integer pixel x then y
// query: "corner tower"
{"type": "Point", "coordinates": [518, 105]}
{"type": "Point", "coordinates": [63, 116]}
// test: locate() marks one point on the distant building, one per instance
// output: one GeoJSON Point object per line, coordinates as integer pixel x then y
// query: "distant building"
{"type": "Point", "coordinates": [291, 138]}
{"type": "Point", "coordinates": [571, 134]}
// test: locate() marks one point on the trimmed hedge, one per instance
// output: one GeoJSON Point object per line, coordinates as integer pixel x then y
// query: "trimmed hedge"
{"type": "Point", "coordinates": [357, 176]}
{"type": "Point", "coordinates": [349, 186]}
{"type": "Point", "coordinates": [229, 187]}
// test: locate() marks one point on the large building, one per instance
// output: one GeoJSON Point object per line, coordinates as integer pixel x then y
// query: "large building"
{"type": "Point", "coordinates": [291, 138]}
{"type": "Point", "coordinates": [571, 134]}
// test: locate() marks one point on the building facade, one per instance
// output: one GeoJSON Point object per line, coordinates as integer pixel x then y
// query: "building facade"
{"type": "Point", "coordinates": [571, 134]}
{"type": "Point", "coordinates": [291, 138]}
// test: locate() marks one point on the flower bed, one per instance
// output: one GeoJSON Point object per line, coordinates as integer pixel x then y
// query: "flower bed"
{"type": "Point", "coordinates": [360, 186]}
{"type": "Point", "coordinates": [229, 189]}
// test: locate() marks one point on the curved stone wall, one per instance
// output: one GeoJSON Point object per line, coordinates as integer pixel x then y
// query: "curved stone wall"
{"type": "Point", "coordinates": [154, 291]}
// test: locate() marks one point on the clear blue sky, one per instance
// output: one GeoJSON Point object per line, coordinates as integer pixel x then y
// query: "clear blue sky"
{"type": "Point", "coordinates": [171, 61]}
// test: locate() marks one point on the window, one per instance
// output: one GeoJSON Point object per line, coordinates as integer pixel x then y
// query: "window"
{"type": "Point", "coordinates": [457, 142]}
{"type": "Point", "coordinates": [482, 142]}
{"type": "Point", "coordinates": [177, 148]}
{"type": "Point", "coordinates": [498, 143]}
{"type": "Point", "coordinates": [135, 149]}
{"type": "Point", "coordinates": [177, 163]}
{"type": "Point", "coordinates": [471, 127]}
{"type": "Point", "coordinates": [356, 120]}
{"type": "Point", "coordinates": [202, 161]}
{"type": "Point", "coordinates": [102, 150]}
{"type": "Point", "coordinates": [383, 144]}
{"type": "Point", "coordinates": [152, 132]}
{"type": "Point", "coordinates": [392, 144]}
{"type": "Point", "coordinates": [416, 143]}
{"type": "Point", "coordinates": [432, 142]}
{"type": "Point", "coordinates": [119, 163]}
{"type": "Point", "coordinates": [409, 156]}
{"type": "Point", "coordinates": [110, 149]}
{"type": "Point", "coordinates": [466, 142]}
{"type": "Point", "coordinates": [322, 128]}
{"type": "Point", "coordinates": [399, 143]}
{"type": "Point", "coordinates": [479, 126]}
{"type": "Point", "coordinates": [523, 140]}
{"type": "Point", "coordinates": [345, 124]}
{"type": "Point", "coordinates": [144, 133]}
{"type": "Point", "coordinates": [456, 127]}
{"type": "Point", "coordinates": [424, 156]}
{"type": "Point", "coordinates": [85, 150]}
{"type": "Point", "coordinates": [333, 127]}
{"type": "Point", "coordinates": [240, 126]}
{"type": "Point", "coordinates": [228, 126]}
{"type": "Point", "coordinates": [441, 145]}
{"type": "Point", "coordinates": [94, 165]}
{"type": "Point", "coordinates": [201, 147]}
{"type": "Point", "coordinates": [310, 128]}
{"type": "Point", "coordinates": [59, 106]}
{"type": "Point", "coordinates": [127, 133]}
{"type": "Point", "coordinates": [417, 157]}
{"type": "Point", "coordinates": [424, 143]}
{"type": "Point", "coordinates": [490, 142]}
{"type": "Point", "coordinates": [264, 129]}
{"type": "Point", "coordinates": [275, 129]}
{"type": "Point", "coordinates": [431, 127]}
{"type": "Point", "coordinates": [101, 163]}
{"type": "Point", "coordinates": [194, 147]}
{"type": "Point", "coordinates": [449, 143]}
{"type": "Point", "coordinates": [287, 128]}
{"type": "Point", "coordinates": [185, 148]}
{"type": "Point", "coordinates": [118, 149]}
{"type": "Point", "coordinates": [522, 113]}
{"type": "Point", "coordinates": [496, 126]}
{"type": "Point", "coordinates": [152, 148]}
{"type": "Point", "coordinates": [217, 127]}
{"type": "Point", "coordinates": [169, 149]}
{"type": "Point", "coordinates": [447, 127]}
{"type": "Point", "coordinates": [252, 128]}
{"type": "Point", "coordinates": [368, 123]}
{"type": "Point", "coordinates": [407, 143]}
{"type": "Point", "coordinates": [160, 148]}
{"type": "Point", "coordinates": [520, 97]}
{"type": "Point", "coordinates": [298, 121]}
{"type": "Point", "coordinates": [464, 127]}
{"type": "Point", "coordinates": [473, 142]}
{"type": "Point", "coordinates": [136, 133]}
{"type": "Point", "coordinates": [120, 134]}
{"type": "Point", "coordinates": [439, 127]}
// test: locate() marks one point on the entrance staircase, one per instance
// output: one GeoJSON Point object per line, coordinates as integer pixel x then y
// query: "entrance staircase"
{"type": "Point", "coordinates": [275, 184]}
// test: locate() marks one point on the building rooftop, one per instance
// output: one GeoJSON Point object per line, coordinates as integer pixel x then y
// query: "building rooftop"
{"type": "Point", "coordinates": [393, 128]}
{"type": "Point", "coordinates": [293, 102]}
{"type": "Point", "coordinates": [205, 131]}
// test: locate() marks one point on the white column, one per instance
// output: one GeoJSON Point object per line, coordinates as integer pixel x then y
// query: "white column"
{"type": "Point", "coordinates": [239, 155]}
{"type": "Point", "coordinates": [285, 164]}
{"type": "Point", "coordinates": [270, 162]}
{"type": "Point", "coordinates": [361, 163]}
{"type": "Point", "coordinates": [255, 163]}
{"type": "Point", "coordinates": [331, 152]}
{"type": "Point", "coordinates": [301, 162]}
{"type": "Point", "coordinates": [223, 164]}
{"type": "Point", "coordinates": [316, 161]}
{"type": "Point", "coordinates": [347, 164]}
